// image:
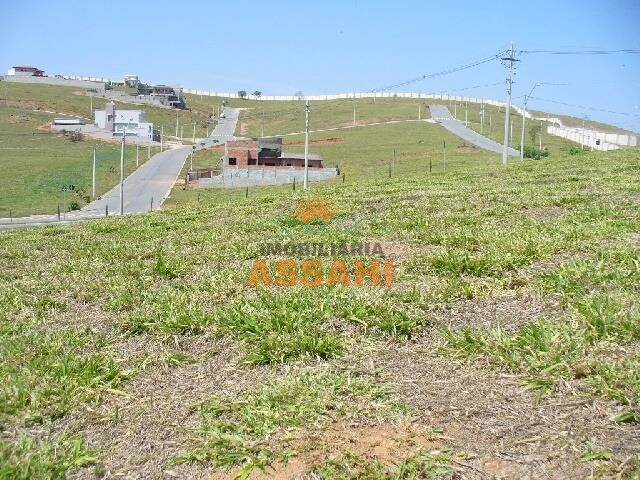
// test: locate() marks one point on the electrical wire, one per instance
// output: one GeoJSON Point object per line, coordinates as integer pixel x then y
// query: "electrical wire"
{"type": "Point", "coordinates": [586, 107]}
{"type": "Point", "coordinates": [440, 73]}
{"type": "Point", "coordinates": [581, 52]}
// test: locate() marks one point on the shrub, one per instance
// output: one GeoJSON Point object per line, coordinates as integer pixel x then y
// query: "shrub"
{"type": "Point", "coordinates": [73, 135]}
{"type": "Point", "coordinates": [535, 153]}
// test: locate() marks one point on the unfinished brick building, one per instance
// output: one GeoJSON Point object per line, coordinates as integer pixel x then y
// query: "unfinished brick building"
{"type": "Point", "coordinates": [265, 152]}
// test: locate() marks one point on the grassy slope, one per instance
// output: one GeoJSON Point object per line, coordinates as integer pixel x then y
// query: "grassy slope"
{"type": "Point", "coordinates": [84, 308]}
{"type": "Point", "coordinates": [473, 233]}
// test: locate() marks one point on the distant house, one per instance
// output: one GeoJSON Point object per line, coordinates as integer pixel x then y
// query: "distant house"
{"type": "Point", "coordinates": [25, 71]}
{"type": "Point", "coordinates": [265, 152]}
{"type": "Point", "coordinates": [133, 122]}
{"type": "Point", "coordinates": [131, 80]}
{"type": "Point", "coordinates": [171, 96]}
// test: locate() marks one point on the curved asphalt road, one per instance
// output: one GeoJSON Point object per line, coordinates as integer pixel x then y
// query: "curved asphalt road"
{"type": "Point", "coordinates": [441, 114]}
{"type": "Point", "coordinates": [144, 189]}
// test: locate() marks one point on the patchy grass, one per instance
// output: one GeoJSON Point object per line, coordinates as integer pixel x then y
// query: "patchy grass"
{"type": "Point", "coordinates": [29, 459]}
{"type": "Point", "coordinates": [258, 428]}
{"type": "Point", "coordinates": [433, 464]}
{"type": "Point", "coordinates": [474, 232]}
{"type": "Point", "coordinates": [601, 295]}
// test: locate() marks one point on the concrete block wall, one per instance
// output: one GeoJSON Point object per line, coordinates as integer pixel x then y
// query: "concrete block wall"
{"type": "Point", "coordinates": [256, 176]}
{"type": "Point", "coordinates": [588, 138]}
{"type": "Point", "coordinates": [62, 82]}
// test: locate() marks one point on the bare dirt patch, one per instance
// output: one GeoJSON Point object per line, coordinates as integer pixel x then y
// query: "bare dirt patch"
{"type": "Point", "coordinates": [137, 431]}
{"type": "Point", "coordinates": [321, 141]}
{"type": "Point", "coordinates": [545, 213]}
{"type": "Point", "coordinates": [387, 443]}
{"type": "Point", "coordinates": [499, 423]}
{"type": "Point", "coordinates": [508, 311]}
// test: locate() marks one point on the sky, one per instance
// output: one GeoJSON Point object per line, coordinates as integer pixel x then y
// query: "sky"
{"type": "Point", "coordinates": [338, 46]}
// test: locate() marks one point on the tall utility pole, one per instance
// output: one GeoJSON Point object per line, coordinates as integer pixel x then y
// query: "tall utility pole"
{"type": "Point", "coordinates": [306, 146]}
{"type": "Point", "coordinates": [91, 107]}
{"type": "Point", "coordinates": [93, 175]}
{"type": "Point", "coordinates": [354, 111]}
{"type": "Point", "coordinates": [124, 135]}
{"type": "Point", "coordinates": [505, 146]}
{"type": "Point", "coordinates": [194, 132]}
{"type": "Point", "coordinates": [466, 115]}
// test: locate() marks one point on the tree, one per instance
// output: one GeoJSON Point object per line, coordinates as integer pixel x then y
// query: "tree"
{"type": "Point", "coordinates": [535, 129]}
{"type": "Point", "coordinates": [257, 94]}
{"type": "Point", "coordinates": [242, 94]}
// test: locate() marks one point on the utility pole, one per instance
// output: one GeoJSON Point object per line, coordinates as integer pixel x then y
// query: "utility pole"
{"type": "Point", "coordinates": [455, 110]}
{"type": "Point", "coordinates": [444, 154]}
{"type": "Point", "coordinates": [511, 134]}
{"type": "Point", "coordinates": [194, 132]}
{"type": "Point", "coordinates": [124, 135]}
{"type": "Point", "coordinates": [481, 118]}
{"type": "Point", "coordinates": [505, 146]}
{"type": "Point", "coordinates": [91, 107]}
{"type": "Point", "coordinates": [93, 175]}
{"type": "Point", "coordinates": [177, 122]}
{"type": "Point", "coordinates": [354, 111]}
{"type": "Point", "coordinates": [306, 145]}
{"type": "Point", "coordinates": [466, 115]}
{"type": "Point", "coordinates": [393, 164]}
{"type": "Point", "coordinates": [419, 112]}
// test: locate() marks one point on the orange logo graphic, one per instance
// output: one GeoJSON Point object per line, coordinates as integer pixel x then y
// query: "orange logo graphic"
{"type": "Point", "coordinates": [314, 210]}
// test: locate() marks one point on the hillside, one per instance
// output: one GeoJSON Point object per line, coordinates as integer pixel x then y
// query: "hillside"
{"type": "Point", "coordinates": [510, 330]}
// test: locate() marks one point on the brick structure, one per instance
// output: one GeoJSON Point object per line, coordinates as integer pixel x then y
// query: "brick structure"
{"type": "Point", "coordinates": [265, 152]}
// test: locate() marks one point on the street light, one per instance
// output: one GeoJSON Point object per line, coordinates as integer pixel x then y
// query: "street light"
{"type": "Point", "coordinates": [524, 112]}
{"type": "Point", "coordinates": [524, 116]}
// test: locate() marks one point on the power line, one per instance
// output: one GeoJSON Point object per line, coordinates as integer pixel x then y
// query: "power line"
{"type": "Point", "coordinates": [582, 52]}
{"type": "Point", "coordinates": [586, 107]}
{"type": "Point", "coordinates": [439, 74]}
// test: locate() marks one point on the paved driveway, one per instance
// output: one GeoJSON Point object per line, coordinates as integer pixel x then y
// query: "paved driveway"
{"type": "Point", "coordinates": [441, 114]}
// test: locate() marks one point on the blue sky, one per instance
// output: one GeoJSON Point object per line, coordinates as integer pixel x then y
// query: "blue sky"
{"type": "Point", "coordinates": [281, 47]}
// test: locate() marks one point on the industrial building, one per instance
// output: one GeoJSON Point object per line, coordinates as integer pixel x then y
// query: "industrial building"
{"type": "Point", "coordinates": [25, 71]}
{"type": "Point", "coordinates": [265, 152]}
{"type": "Point", "coordinates": [118, 121]}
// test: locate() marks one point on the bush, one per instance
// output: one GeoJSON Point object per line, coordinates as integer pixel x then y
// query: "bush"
{"type": "Point", "coordinates": [73, 135]}
{"type": "Point", "coordinates": [535, 153]}
{"type": "Point", "coordinates": [573, 150]}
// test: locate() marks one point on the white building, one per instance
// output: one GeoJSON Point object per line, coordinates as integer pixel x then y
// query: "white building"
{"type": "Point", "coordinates": [131, 80]}
{"type": "Point", "coordinates": [133, 122]}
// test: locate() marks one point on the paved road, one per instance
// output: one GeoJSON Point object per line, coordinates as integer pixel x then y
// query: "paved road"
{"type": "Point", "coordinates": [441, 114]}
{"type": "Point", "coordinates": [224, 129]}
{"type": "Point", "coordinates": [145, 188]}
